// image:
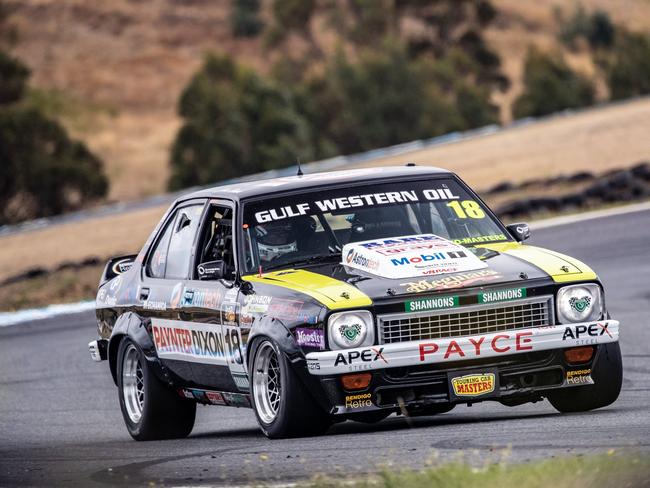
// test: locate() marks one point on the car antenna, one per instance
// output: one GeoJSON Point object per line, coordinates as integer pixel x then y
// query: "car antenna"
{"type": "Point", "coordinates": [300, 173]}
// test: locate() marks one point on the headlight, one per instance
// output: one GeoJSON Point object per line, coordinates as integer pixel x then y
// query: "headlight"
{"type": "Point", "coordinates": [350, 329]}
{"type": "Point", "coordinates": [579, 303]}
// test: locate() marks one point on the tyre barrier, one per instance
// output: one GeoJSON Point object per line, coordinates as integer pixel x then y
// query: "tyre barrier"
{"type": "Point", "coordinates": [615, 186]}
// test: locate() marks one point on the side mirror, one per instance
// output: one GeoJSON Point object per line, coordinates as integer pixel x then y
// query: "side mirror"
{"type": "Point", "coordinates": [211, 270]}
{"type": "Point", "coordinates": [519, 231]}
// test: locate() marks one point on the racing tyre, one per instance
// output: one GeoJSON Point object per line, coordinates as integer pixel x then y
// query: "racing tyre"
{"type": "Point", "coordinates": [283, 406]}
{"type": "Point", "coordinates": [151, 411]}
{"type": "Point", "coordinates": [608, 377]}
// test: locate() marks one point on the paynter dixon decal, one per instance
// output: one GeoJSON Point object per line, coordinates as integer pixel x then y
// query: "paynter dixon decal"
{"type": "Point", "coordinates": [199, 343]}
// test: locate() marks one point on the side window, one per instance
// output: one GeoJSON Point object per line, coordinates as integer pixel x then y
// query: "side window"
{"type": "Point", "coordinates": [217, 240]}
{"type": "Point", "coordinates": [183, 232]}
{"type": "Point", "coordinates": [158, 258]}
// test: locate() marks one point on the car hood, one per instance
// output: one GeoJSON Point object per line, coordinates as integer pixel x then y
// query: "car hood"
{"type": "Point", "coordinates": [337, 286]}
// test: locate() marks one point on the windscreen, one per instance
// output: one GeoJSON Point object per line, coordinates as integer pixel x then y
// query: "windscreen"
{"type": "Point", "coordinates": [315, 225]}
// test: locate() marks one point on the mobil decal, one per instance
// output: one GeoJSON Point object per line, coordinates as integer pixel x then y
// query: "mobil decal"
{"type": "Point", "coordinates": [410, 256]}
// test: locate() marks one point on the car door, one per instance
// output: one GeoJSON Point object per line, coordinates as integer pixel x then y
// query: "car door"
{"type": "Point", "coordinates": [164, 278]}
{"type": "Point", "coordinates": [212, 304]}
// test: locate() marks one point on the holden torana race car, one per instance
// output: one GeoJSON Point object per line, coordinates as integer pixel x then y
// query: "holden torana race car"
{"type": "Point", "coordinates": [347, 295]}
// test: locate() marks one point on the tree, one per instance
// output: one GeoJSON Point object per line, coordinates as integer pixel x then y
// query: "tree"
{"type": "Point", "coordinates": [245, 18]}
{"type": "Point", "coordinates": [628, 68]}
{"type": "Point", "coordinates": [236, 123]}
{"type": "Point", "coordinates": [14, 79]}
{"type": "Point", "coordinates": [42, 172]}
{"type": "Point", "coordinates": [550, 86]}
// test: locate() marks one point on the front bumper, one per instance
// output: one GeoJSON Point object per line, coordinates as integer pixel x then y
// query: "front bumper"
{"type": "Point", "coordinates": [462, 348]}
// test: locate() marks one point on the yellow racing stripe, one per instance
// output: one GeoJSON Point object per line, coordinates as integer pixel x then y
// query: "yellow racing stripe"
{"type": "Point", "coordinates": [334, 294]}
{"type": "Point", "coordinates": [562, 268]}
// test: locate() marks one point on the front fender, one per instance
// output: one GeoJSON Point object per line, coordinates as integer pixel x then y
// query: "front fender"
{"type": "Point", "coordinates": [275, 329]}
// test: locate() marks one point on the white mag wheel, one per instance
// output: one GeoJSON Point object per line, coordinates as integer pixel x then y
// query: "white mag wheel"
{"type": "Point", "coordinates": [133, 384]}
{"type": "Point", "coordinates": [267, 382]}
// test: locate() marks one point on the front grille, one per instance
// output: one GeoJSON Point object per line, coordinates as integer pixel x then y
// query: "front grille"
{"type": "Point", "coordinates": [471, 320]}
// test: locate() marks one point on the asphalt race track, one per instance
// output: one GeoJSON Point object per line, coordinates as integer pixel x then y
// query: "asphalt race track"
{"type": "Point", "coordinates": [60, 422]}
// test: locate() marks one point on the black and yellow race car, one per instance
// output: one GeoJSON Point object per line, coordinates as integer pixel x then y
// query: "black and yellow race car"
{"type": "Point", "coordinates": [347, 295]}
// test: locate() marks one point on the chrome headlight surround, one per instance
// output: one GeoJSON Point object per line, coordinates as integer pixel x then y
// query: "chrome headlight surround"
{"type": "Point", "coordinates": [350, 329]}
{"type": "Point", "coordinates": [579, 303]}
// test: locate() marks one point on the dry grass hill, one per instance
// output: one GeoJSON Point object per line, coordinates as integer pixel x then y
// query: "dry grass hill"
{"type": "Point", "coordinates": [113, 70]}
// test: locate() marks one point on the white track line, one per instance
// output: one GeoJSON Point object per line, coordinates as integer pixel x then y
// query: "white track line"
{"type": "Point", "coordinates": [13, 318]}
{"type": "Point", "coordinates": [21, 316]}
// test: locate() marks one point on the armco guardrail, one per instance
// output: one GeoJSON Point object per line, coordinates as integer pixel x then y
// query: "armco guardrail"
{"type": "Point", "coordinates": [312, 167]}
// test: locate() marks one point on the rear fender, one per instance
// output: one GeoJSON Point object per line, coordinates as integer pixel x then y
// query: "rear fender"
{"type": "Point", "coordinates": [134, 327]}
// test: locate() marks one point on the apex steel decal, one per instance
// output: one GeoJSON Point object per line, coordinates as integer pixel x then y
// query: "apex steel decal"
{"type": "Point", "coordinates": [358, 360]}
{"type": "Point", "coordinates": [586, 334]}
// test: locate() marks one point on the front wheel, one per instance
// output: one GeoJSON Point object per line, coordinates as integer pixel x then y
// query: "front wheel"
{"type": "Point", "coordinates": [607, 374]}
{"type": "Point", "coordinates": [282, 405]}
{"type": "Point", "coordinates": [150, 410]}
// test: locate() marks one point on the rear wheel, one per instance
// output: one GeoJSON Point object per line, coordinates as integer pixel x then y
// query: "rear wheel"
{"type": "Point", "coordinates": [150, 410]}
{"type": "Point", "coordinates": [282, 405]}
{"type": "Point", "coordinates": [607, 374]}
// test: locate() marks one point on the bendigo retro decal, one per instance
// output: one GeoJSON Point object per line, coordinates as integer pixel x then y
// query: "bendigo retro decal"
{"type": "Point", "coordinates": [410, 256]}
{"type": "Point", "coordinates": [579, 377]}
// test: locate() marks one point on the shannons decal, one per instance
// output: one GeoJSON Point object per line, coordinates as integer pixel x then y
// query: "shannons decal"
{"type": "Point", "coordinates": [431, 303]}
{"type": "Point", "coordinates": [200, 343]}
{"type": "Point", "coordinates": [501, 295]}
{"type": "Point", "coordinates": [409, 256]}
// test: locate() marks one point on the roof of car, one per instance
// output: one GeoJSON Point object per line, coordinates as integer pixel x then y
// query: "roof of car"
{"type": "Point", "coordinates": [256, 188]}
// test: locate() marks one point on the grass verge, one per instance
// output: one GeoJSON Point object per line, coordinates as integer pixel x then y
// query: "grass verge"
{"type": "Point", "coordinates": [600, 471]}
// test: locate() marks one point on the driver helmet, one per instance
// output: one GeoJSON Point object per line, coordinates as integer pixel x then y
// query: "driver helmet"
{"type": "Point", "coordinates": [275, 239]}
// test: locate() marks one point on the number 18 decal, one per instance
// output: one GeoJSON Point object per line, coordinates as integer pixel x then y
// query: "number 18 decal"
{"type": "Point", "coordinates": [233, 341]}
{"type": "Point", "coordinates": [467, 208]}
